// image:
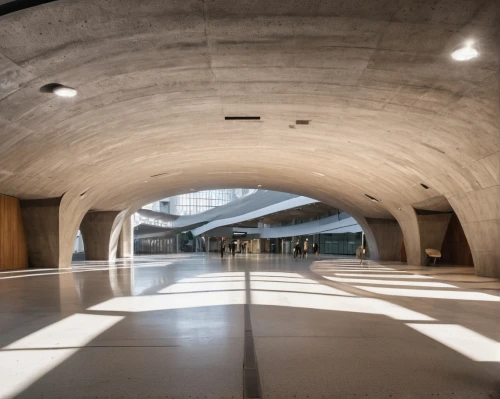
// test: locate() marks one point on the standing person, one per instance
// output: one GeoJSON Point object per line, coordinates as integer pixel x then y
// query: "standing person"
{"type": "Point", "coordinates": [297, 250]}
{"type": "Point", "coordinates": [222, 248]}
{"type": "Point", "coordinates": [306, 248]}
{"type": "Point", "coordinates": [233, 248]}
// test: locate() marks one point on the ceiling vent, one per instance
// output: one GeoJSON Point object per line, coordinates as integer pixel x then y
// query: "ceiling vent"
{"type": "Point", "coordinates": [302, 122]}
{"type": "Point", "coordinates": [242, 118]}
{"type": "Point", "coordinates": [424, 186]}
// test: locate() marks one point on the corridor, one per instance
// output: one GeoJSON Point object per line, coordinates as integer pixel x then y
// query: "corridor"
{"type": "Point", "coordinates": [192, 326]}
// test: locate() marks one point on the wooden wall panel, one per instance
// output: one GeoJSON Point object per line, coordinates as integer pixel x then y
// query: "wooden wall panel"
{"type": "Point", "coordinates": [13, 249]}
{"type": "Point", "coordinates": [456, 249]}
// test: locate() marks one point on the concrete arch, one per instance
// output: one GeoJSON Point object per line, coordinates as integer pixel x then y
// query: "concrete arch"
{"type": "Point", "coordinates": [388, 107]}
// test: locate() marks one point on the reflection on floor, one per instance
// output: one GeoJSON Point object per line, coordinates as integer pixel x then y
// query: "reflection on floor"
{"type": "Point", "coordinates": [173, 327]}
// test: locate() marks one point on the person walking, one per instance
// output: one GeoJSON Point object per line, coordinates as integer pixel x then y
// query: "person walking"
{"type": "Point", "coordinates": [316, 249]}
{"type": "Point", "coordinates": [222, 248]}
{"type": "Point", "coordinates": [306, 248]}
{"type": "Point", "coordinates": [297, 250]}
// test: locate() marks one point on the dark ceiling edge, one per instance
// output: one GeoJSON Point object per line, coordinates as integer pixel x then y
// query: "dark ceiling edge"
{"type": "Point", "coordinates": [18, 5]}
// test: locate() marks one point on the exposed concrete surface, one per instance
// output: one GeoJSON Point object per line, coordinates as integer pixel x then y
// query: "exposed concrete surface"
{"type": "Point", "coordinates": [389, 238]}
{"type": "Point", "coordinates": [126, 239]}
{"type": "Point", "coordinates": [389, 108]}
{"type": "Point", "coordinates": [96, 230]}
{"type": "Point", "coordinates": [432, 229]}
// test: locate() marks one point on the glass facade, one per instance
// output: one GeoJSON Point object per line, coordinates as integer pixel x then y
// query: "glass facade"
{"type": "Point", "coordinates": [201, 201]}
{"type": "Point", "coordinates": [339, 244]}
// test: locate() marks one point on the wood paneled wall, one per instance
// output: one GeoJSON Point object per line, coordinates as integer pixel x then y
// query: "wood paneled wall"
{"type": "Point", "coordinates": [13, 249]}
{"type": "Point", "coordinates": [456, 249]}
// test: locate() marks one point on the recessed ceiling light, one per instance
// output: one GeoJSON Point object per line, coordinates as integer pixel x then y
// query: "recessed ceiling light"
{"type": "Point", "coordinates": [372, 198]}
{"type": "Point", "coordinates": [318, 174]}
{"type": "Point", "coordinates": [465, 53]}
{"type": "Point", "coordinates": [64, 91]}
{"type": "Point", "coordinates": [259, 185]}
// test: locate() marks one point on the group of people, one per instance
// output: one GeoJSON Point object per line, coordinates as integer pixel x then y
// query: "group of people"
{"type": "Point", "coordinates": [232, 248]}
{"type": "Point", "coordinates": [298, 251]}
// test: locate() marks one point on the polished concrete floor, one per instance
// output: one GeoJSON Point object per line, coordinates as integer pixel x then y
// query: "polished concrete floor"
{"type": "Point", "coordinates": [181, 326]}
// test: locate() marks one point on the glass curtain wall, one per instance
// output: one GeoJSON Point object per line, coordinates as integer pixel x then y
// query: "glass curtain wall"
{"type": "Point", "coordinates": [201, 201]}
{"type": "Point", "coordinates": [339, 244]}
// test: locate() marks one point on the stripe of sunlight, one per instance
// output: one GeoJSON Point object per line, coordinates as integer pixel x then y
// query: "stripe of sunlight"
{"type": "Point", "coordinates": [357, 269]}
{"type": "Point", "coordinates": [467, 342]}
{"type": "Point", "coordinates": [150, 303]}
{"type": "Point", "coordinates": [206, 279]}
{"type": "Point", "coordinates": [285, 280]}
{"type": "Point", "coordinates": [276, 274]}
{"type": "Point", "coordinates": [256, 278]}
{"type": "Point", "coordinates": [297, 287]}
{"type": "Point", "coordinates": [43, 274]}
{"type": "Point", "coordinates": [28, 270]}
{"type": "Point", "coordinates": [25, 361]}
{"type": "Point", "coordinates": [271, 298]}
{"type": "Point", "coordinates": [437, 294]}
{"type": "Point", "coordinates": [336, 303]}
{"type": "Point", "coordinates": [411, 276]}
{"type": "Point", "coordinates": [389, 282]}
{"type": "Point", "coordinates": [229, 274]}
{"type": "Point", "coordinates": [205, 286]}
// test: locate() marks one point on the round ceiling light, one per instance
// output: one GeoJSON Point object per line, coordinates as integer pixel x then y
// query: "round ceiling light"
{"type": "Point", "coordinates": [465, 53]}
{"type": "Point", "coordinates": [64, 91]}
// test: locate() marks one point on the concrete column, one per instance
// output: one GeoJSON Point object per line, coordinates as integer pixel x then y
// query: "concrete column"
{"type": "Point", "coordinates": [479, 214]}
{"type": "Point", "coordinates": [421, 231]}
{"type": "Point", "coordinates": [96, 228]}
{"type": "Point", "coordinates": [387, 236]}
{"type": "Point", "coordinates": [407, 219]}
{"type": "Point", "coordinates": [41, 225]}
{"type": "Point", "coordinates": [126, 239]}
{"type": "Point", "coordinates": [432, 229]}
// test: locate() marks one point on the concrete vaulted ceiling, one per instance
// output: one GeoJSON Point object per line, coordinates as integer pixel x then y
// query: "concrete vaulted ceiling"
{"type": "Point", "coordinates": [389, 108]}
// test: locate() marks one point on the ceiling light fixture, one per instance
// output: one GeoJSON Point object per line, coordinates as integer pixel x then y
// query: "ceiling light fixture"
{"type": "Point", "coordinates": [318, 174]}
{"type": "Point", "coordinates": [465, 53]}
{"type": "Point", "coordinates": [259, 185]}
{"type": "Point", "coordinates": [64, 91]}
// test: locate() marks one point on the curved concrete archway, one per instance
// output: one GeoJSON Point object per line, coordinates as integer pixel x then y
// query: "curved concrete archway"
{"type": "Point", "coordinates": [388, 108]}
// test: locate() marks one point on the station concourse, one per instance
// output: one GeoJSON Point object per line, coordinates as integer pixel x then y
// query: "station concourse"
{"type": "Point", "coordinates": [137, 138]}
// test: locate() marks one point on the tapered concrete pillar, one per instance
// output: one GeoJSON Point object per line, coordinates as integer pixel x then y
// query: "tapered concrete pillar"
{"type": "Point", "coordinates": [432, 229]}
{"type": "Point", "coordinates": [41, 225]}
{"type": "Point", "coordinates": [96, 228]}
{"type": "Point", "coordinates": [387, 237]}
{"type": "Point", "coordinates": [126, 239]}
{"type": "Point", "coordinates": [479, 214]}
{"type": "Point", "coordinates": [421, 231]}
{"type": "Point", "coordinates": [407, 219]}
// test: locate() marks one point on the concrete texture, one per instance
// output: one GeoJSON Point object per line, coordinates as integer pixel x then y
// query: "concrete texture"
{"type": "Point", "coordinates": [389, 238]}
{"type": "Point", "coordinates": [432, 229]}
{"type": "Point", "coordinates": [173, 326]}
{"type": "Point", "coordinates": [389, 108]}
{"type": "Point", "coordinates": [96, 231]}
{"type": "Point", "coordinates": [126, 239]}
